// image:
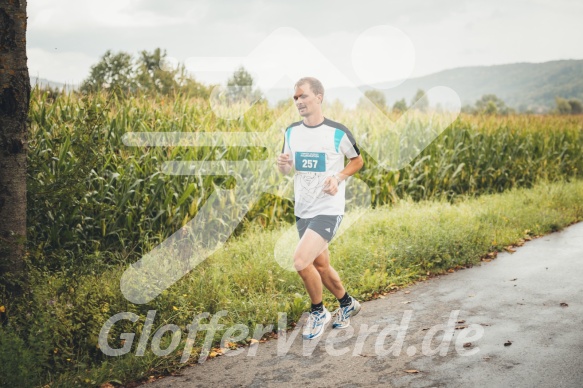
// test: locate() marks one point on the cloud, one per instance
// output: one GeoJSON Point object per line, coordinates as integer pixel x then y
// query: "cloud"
{"type": "Point", "coordinates": [445, 34]}
{"type": "Point", "coordinates": [69, 15]}
{"type": "Point", "coordinates": [67, 67]}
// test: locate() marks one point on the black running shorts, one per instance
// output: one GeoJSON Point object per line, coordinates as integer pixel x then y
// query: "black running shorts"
{"type": "Point", "coordinates": [326, 226]}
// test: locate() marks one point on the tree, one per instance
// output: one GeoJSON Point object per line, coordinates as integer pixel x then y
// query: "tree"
{"type": "Point", "coordinates": [150, 73]}
{"type": "Point", "coordinates": [240, 87]}
{"type": "Point", "coordinates": [568, 107]}
{"type": "Point", "coordinates": [153, 74]}
{"type": "Point", "coordinates": [400, 106]}
{"type": "Point", "coordinates": [375, 97]}
{"type": "Point", "coordinates": [563, 106]}
{"type": "Point", "coordinates": [114, 72]}
{"type": "Point", "coordinates": [576, 106]}
{"type": "Point", "coordinates": [420, 101]}
{"type": "Point", "coordinates": [189, 86]}
{"type": "Point", "coordinates": [14, 103]}
{"type": "Point", "coordinates": [490, 104]}
{"type": "Point", "coordinates": [467, 108]}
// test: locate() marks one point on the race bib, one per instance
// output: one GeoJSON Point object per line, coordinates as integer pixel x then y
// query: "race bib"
{"type": "Point", "coordinates": [310, 161]}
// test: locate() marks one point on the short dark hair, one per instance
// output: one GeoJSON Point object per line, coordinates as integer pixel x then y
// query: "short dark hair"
{"type": "Point", "coordinates": [314, 83]}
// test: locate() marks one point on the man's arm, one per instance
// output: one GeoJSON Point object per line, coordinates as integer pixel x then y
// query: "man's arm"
{"type": "Point", "coordinates": [284, 160]}
{"type": "Point", "coordinates": [284, 164]}
{"type": "Point", "coordinates": [351, 168]}
{"type": "Point", "coordinates": [331, 183]}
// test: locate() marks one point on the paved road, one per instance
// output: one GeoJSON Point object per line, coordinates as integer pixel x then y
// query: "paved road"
{"type": "Point", "coordinates": [516, 297]}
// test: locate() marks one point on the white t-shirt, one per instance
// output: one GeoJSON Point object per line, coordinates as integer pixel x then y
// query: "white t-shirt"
{"type": "Point", "coordinates": [316, 153]}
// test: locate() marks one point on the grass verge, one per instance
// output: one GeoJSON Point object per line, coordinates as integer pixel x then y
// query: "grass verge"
{"type": "Point", "coordinates": [57, 325]}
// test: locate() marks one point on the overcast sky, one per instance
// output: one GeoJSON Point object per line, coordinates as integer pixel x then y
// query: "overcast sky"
{"type": "Point", "coordinates": [342, 42]}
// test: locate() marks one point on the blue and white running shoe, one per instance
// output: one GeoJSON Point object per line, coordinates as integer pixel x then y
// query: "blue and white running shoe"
{"type": "Point", "coordinates": [314, 326]}
{"type": "Point", "coordinates": [343, 314]}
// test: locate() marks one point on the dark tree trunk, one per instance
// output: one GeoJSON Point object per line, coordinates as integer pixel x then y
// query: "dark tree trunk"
{"type": "Point", "coordinates": [14, 102]}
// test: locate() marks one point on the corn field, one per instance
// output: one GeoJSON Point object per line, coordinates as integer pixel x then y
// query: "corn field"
{"type": "Point", "coordinates": [89, 191]}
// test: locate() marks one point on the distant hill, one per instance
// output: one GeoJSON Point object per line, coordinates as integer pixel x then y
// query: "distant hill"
{"type": "Point", "coordinates": [42, 82]}
{"type": "Point", "coordinates": [521, 85]}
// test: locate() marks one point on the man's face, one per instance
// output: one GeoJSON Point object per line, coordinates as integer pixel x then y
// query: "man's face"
{"type": "Point", "coordinates": [306, 101]}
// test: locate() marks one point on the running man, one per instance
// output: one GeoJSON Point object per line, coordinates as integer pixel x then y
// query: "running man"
{"type": "Point", "coordinates": [315, 147]}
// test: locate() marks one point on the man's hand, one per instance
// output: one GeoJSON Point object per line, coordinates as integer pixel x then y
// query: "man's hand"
{"type": "Point", "coordinates": [284, 164]}
{"type": "Point", "coordinates": [331, 185]}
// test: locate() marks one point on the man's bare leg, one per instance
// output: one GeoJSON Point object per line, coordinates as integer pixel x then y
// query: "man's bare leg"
{"type": "Point", "coordinates": [318, 271]}
{"type": "Point", "coordinates": [328, 274]}
{"type": "Point", "coordinates": [311, 246]}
